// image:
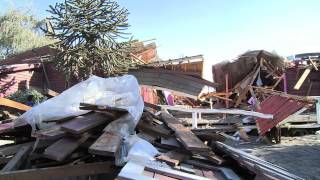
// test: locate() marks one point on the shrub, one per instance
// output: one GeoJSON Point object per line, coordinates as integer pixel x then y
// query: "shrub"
{"type": "Point", "coordinates": [22, 96]}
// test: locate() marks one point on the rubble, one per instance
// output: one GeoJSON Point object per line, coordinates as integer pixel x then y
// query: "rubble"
{"type": "Point", "coordinates": [100, 129]}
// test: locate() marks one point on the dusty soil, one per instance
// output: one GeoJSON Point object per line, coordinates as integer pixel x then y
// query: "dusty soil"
{"type": "Point", "coordinates": [299, 155]}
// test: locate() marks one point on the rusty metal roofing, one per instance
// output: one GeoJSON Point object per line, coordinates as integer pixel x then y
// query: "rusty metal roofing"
{"type": "Point", "coordinates": [280, 108]}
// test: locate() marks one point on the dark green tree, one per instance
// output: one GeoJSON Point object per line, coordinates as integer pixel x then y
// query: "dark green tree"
{"type": "Point", "coordinates": [20, 31]}
{"type": "Point", "coordinates": [91, 38]}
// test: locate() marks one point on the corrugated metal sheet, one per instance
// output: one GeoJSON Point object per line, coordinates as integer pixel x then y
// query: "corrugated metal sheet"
{"type": "Point", "coordinates": [280, 108]}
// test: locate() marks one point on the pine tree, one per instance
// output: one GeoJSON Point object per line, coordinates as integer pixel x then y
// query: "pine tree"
{"type": "Point", "coordinates": [91, 38]}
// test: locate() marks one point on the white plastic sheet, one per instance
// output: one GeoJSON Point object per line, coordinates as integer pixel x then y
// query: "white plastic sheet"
{"type": "Point", "coordinates": [121, 92]}
{"type": "Point", "coordinates": [140, 149]}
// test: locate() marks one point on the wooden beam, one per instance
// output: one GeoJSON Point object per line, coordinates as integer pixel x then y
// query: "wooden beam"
{"type": "Point", "coordinates": [227, 90]}
{"type": "Point", "coordinates": [14, 104]}
{"type": "Point", "coordinates": [302, 79]}
{"type": "Point", "coordinates": [278, 81]}
{"type": "Point", "coordinates": [17, 161]}
{"type": "Point", "coordinates": [61, 171]}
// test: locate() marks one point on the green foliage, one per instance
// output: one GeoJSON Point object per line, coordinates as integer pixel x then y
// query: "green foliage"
{"type": "Point", "coordinates": [91, 38]}
{"type": "Point", "coordinates": [22, 95]}
{"type": "Point", "coordinates": [19, 32]}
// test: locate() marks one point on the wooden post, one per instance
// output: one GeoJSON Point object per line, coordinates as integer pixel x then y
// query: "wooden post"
{"type": "Point", "coordinates": [285, 87]}
{"type": "Point", "coordinates": [227, 89]}
{"type": "Point", "coordinates": [318, 109]}
{"type": "Point", "coordinates": [194, 120]}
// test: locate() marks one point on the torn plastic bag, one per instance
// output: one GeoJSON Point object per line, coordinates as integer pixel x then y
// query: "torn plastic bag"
{"type": "Point", "coordinates": [121, 92]}
{"type": "Point", "coordinates": [136, 149]}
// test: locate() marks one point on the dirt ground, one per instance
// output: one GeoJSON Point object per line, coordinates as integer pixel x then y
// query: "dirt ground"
{"type": "Point", "coordinates": [299, 155]}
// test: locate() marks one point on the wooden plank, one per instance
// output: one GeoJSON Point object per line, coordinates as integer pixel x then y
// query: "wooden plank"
{"type": "Point", "coordinates": [302, 79]}
{"type": "Point", "coordinates": [60, 171]}
{"type": "Point", "coordinates": [17, 161]}
{"type": "Point", "coordinates": [64, 147]}
{"type": "Point", "coordinates": [172, 141]}
{"type": "Point", "coordinates": [187, 138]}
{"type": "Point", "coordinates": [50, 134]}
{"type": "Point", "coordinates": [13, 149]}
{"type": "Point", "coordinates": [172, 158]}
{"type": "Point", "coordinates": [86, 106]}
{"type": "Point", "coordinates": [155, 129]}
{"type": "Point", "coordinates": [84, 123]}
{"type": "Point", "coordinates": [6, 127]}
{"type": "Point", "coordinates": [106, 145]}
{"type": "Point", "coordinates": [14, 104]}
{"type": "Point", "coordinates": [309, 88]}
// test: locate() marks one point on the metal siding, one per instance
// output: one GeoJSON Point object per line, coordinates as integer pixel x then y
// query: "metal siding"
{"type": "Point", "coordinates": [280, 108]}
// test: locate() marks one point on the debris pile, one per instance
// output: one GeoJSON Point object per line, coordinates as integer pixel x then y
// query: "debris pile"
{"type": "Point", "coordinates": [100, 128]}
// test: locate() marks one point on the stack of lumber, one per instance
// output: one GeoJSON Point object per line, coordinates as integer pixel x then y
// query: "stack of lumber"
{"type": "Point", "coordinates": [81, 147]}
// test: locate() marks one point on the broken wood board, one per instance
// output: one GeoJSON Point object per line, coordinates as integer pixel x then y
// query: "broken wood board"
{"type": "Point", "coordinates": [64, 147]}
{"type": "Point", "coordinates": [187, 138]}
{"type": "Point", "coordinates": [172, 158]}
{"type": "Point", "coordinates": [59, 172]}
{"type": "Point", "coordinates": [14, 104]}
{"type": "Point", "coordinates": [17, 161]}
{"type": "Point", "coordinates": [106, 145]}
{"type": "Point", "coordinates": [84, 123]}
{"type": "Point", "coordinates": [302, 79]}
{"type": "Point", "coordinates": [155, 129]}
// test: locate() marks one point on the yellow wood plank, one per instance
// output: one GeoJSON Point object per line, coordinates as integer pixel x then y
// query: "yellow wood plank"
{"type": "Point", "coordinates": [14, 104]}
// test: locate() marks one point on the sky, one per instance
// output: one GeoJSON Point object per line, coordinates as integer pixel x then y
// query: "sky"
{"type": "Point", "coordinates": [218, 29]}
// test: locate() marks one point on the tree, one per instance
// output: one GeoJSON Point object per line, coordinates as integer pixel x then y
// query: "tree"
{"type": "Point", "coordinates": [20, 31]}
{"type": "Point", "coordinates": [91, 38]}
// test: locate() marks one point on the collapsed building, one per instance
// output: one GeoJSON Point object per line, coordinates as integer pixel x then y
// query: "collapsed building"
{"type": "Point", "coordinates": [161, 121]}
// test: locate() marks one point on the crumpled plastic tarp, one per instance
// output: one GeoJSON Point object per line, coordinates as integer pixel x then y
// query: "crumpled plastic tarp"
{"type": "Point", "coordinates": [121, 92]}
{"type": "Point", "coordinates": [138, 149]}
